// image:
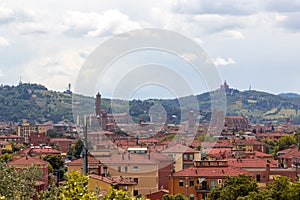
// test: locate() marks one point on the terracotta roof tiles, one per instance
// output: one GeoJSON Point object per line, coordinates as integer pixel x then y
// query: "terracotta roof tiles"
{"type": "Point", "coordinates": [209, 172]}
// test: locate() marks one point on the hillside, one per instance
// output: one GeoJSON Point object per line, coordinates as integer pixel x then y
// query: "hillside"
{"type": "Point", "coordinates": [36, 103]}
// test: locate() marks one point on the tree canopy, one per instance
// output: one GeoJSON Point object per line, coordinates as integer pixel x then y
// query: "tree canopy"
{"type": "Point", "coordinates": [74, 188]}
{"type": "Point", "coordinates": [18, 183]}
{"type": "Point", "coordinates": [245, 188]}
{"type": "Point", "coordinates": [234, 187]}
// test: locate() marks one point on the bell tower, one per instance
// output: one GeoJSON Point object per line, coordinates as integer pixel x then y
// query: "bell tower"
{"type": "Point", "coordinates": [98, 105]}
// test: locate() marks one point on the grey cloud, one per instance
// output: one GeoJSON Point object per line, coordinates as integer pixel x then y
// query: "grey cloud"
{"type": "Point", "coordinates": [231, 7]}
{"type": "Point", "coordinates": [8, 15]}
{"type": "Point", "coordinates": [282, 5]}
{"type": "Point", "coordinates": [291, 22]}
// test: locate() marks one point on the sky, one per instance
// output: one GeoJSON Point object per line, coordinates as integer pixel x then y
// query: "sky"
{"type": "Point", "coordinates": [251, 42]}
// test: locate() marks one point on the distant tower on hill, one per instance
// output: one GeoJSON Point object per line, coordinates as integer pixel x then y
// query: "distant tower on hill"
{"type": "Point", "coordinates": [225, 86]}
{"type": "Point", "coordinates": [191, 119]}
{"type": "Point", "coordinates": [98, 105]}
{"type": "Point", "coordinates": [20, 82]}
{"type": "Point", "coordinates": [68, 89]}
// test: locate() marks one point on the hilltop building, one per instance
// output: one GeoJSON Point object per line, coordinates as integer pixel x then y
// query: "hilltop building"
{"type": "Point", "coordinates": [236, 123]}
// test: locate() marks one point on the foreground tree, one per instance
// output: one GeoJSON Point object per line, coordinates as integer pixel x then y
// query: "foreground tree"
{"type": "Point", "coordinates": [235, 187]}
{"type": "Point", "coordinates": [57, 165]}
{"type": "Point", "coordinates": [18, 183]}
{"type": "Point", "coordinates": [174, 197]}
{"type": "Point", "coordinates": [77, 149]}
{"type": "Point", "coordinates": [116, 195]}
{"type": "Point", "coordinates": [75, 188]}
{"type": "Point", "coordinates": [243, 188]}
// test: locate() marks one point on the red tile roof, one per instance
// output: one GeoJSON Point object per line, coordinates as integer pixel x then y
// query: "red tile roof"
{"type": "Point", "coordinates": [262, 155]}
{"type": "Point", "coordinates": [53, 140]}
{"type": "Point", "coordinates": [179, 148]}
{"type": "Point", "coordinates": [91, 160]}
{"type": "Point", "coordinates": [28, 160]}
{"type": "Point", "coordinates": [127, 158]}
{"type": "Point", "coordinates": [113, 180]}
{"type": "Point", "coordinates": [221, 172]}
{"type": "Point", "coordinates": [250, 163]}
{"type": "Point", "coordinates": [37, 151]}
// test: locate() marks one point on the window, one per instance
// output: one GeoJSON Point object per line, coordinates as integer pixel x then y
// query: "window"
{"type": "Point", "coordinates": [126, 169]}
{"type": "Point", "coordinates": [185, 166]}
{"type": "Point", "coordinates": [119, 168]}
{"type": "Point", "coordinates": [258, 177]}
{"type": "Point", "coordinates": [219, 181]}
{"type": "Point", "coordinates": [125, 187]}
{"type": "Point", "coordinates": [192, 197]}
{"type": "Point", "coordinates": [105, 170]}
{"type": "Point", "coordinates": [185, 156]}
{"type": "Point", "coordinates": [136, 180]}
{"type": "Point", "coordinates": [191, 182]}
{"type": "Point", "coordinates": [191, 156]}
{"type": "Point", "coordinates": [212, 184]}
{"type": "Point", "coordinates": [135, 192]}
{"type": "Point", "coordinates": [180, 183]}
{"type": "Point", "coordinates": [135, 168]}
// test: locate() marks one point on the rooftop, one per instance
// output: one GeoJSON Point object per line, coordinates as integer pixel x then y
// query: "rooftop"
{"type": "Point", "coordinates": [220, 171]}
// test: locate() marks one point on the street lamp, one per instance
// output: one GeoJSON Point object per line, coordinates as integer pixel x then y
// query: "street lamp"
{"type": "Point", "coordinates": [84, 149]}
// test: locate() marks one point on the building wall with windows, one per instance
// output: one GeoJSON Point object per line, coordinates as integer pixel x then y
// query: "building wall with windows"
{"type": "Point", "coordinates": [196, 182]}
{"type": "Point", "coordinates": [136, 167]}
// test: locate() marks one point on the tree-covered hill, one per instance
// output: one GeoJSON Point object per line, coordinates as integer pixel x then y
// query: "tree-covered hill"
{"type": "Point", "coordinates": [36, 103]}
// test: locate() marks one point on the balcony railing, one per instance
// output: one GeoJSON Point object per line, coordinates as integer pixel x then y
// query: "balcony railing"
{"type": "Point", "coordinates": [202, 189]}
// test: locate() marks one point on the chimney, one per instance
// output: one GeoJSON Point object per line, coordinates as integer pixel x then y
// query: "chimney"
{"type": "Point", "coordinates": [267, 172]}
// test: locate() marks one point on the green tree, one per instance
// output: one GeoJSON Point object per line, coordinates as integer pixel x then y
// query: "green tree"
{"type": "Point", "coordinates": [174, 197]}
{"type": "Point", "coordinates": [52, 194]}
{"type": "Point", "coordinates": [18, 183]}
{"type": "Point", "coordinates": [286, 141]}
{"type": "Point", "coordinates": [280, 188]}
{"type": "Point", "coordinates": [57, 165]}
{"type": "Point", "coordinates": [294, 192]}
{"type": "Point", "coordinates": [115, 194]}
{"type": "Point", "coordinates": [6, 157]}
{"type": "Point", "coordinates": [77, 149]}
{"type": "Point", "coordinates": [76, 188]}
{"type": "Point", "coordinates": [235, 187]}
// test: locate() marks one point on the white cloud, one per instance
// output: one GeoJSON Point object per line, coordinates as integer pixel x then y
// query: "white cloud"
{"type": "Point", "coordinates": [95, 25]}
{"type": "Point", "coordinates": [55, 70]}
{"type": "Point", "coordinates": [6, 14]}
{"type": "Point", "coordinates": [218, 61]}
{"type": "Point", "coordinates": [4, 42]}
{"type": "Point", "coordinates": [233, 34]}
{"type": "Point", "coordinates": [190, 57]}
{"type": "Point", "coordinates": [31, 28]}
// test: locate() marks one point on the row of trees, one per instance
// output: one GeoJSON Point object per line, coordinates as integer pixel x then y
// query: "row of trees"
{"type": "Point", "coordinates": [244, 187]}
{"type": "Point", "coordinates": [283, 143]}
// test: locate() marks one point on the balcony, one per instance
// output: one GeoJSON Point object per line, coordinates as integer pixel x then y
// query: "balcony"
{"type": "Point", "coordinates": [202, 189]}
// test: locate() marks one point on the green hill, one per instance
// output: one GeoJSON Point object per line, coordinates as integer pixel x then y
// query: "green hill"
{"type": "Point", "coordinates": [36, 103]}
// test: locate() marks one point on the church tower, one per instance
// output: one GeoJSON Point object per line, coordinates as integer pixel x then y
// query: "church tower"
{"type": "Point", "coordinates": [98, 105]}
